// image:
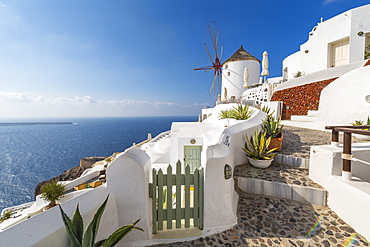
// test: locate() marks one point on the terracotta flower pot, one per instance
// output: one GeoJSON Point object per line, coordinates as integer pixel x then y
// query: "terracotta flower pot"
{"type": "Point", "coordinates": [276, 143]}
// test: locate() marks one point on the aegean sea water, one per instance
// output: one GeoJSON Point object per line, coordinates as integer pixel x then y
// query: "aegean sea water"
{"type": "Point", "coordinates": [30, 154]}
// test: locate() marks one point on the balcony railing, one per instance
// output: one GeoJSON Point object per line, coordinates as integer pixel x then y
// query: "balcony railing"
{"type": "Point", "coordinates": [347, 144]}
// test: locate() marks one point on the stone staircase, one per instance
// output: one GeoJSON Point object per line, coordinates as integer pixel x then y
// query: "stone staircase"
{"type": "Point", "coordinates": [308, 121]}
{"type": "Point", "coordinates": [282, 181]}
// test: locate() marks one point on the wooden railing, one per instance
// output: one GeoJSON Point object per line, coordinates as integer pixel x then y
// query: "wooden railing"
{"type": "Point", "coordinates": [347, 143]}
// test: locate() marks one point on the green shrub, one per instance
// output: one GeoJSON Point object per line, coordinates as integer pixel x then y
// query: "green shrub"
{"type": "Point", "coordinates": [52, 192]}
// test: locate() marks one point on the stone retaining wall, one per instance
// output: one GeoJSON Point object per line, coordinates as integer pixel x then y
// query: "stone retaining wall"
{"type": "Point", "coordinates": [300, 99]}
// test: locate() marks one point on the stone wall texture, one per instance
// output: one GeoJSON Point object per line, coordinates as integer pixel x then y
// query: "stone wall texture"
{"type": "Point", "coordinates": [300, 99]}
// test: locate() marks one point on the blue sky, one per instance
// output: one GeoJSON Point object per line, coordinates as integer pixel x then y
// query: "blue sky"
{"type": "Point", "coordinates": [94, 58]}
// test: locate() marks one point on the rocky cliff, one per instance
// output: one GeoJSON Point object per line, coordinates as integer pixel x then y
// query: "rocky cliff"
{"type": "Point", "coordinates": [72, 173]}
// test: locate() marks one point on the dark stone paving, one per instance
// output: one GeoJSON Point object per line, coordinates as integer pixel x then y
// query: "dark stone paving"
{"type": "Point", "coordinates": [267, 221]}
{"type": "Point", "coordinates": [277, 173]}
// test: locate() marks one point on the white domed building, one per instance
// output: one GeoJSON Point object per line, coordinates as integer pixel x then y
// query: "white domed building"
{"type": "Point", "coordinates": [234, 69]}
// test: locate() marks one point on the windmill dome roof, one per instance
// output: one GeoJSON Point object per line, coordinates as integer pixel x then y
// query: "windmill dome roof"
{"type": "Point", "coordinates": [240, 55]}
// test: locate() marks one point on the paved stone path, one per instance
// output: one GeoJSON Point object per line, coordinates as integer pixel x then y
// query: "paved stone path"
{"type": "Point", "coordinates": [297, 141]}
{"type": "Point", "coordinates": [277, 173]}
{"type": "Point", "coordinates": [268, 221]}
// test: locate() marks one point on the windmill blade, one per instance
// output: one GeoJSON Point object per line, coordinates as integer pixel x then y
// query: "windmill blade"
{"type": "Point", "coordinates": [213, 84]}
{"type": "Point", "coordinates": [207, 68]}
{"type": "Point", "coordinates": [222, 50]}
{"type": "Point", "coordinates": [209, 54]}
{"type": "Point", "coordinates": [214, 37]}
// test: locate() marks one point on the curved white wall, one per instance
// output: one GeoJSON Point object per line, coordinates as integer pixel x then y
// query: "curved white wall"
{"type": "Point", "coordinates": [343, 101]}
{"type": "Point", "coordinates": [233, 77]}
{"type": "Point", "coordinates": [291, 64]}
{"type": "Point", "coordinates": [220, 197]}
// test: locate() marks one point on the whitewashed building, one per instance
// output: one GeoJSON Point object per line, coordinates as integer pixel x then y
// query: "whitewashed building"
{"type": "Point", "coordinates": [331, 43]}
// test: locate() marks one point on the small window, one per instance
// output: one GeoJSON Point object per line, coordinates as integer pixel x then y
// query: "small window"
{"type": "Point", "coordinates": [226, 66]}
{"type": "Point", "coordinates": [228, 73]}
{"type": "Point", "coordinates": [367, 46]}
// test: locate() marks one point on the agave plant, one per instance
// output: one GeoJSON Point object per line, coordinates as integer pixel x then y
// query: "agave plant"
{"type": "Point", "coordinates": [358, 122]}
{"type": "Point", "coordinates": [272, 127]}
{"type": "Point", "coordinates": [242, 112]}
{"type": "Point", "coordinates": [265, 109]}
{"type": "Point", "coordinates": [226, 114]}
{"type": "Point", "coordinates": [77, 236]}
{"type": "Point", "coordinates": [256, 147]}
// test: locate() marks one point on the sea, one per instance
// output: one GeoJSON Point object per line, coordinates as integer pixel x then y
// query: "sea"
{"type": "Point", "coordinates": [38, 150]}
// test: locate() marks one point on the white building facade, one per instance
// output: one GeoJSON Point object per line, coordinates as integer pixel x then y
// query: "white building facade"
{"type": "Point", "coordinates": [335, 42]}
{"type": "Point", "coordinates": [233, 74]}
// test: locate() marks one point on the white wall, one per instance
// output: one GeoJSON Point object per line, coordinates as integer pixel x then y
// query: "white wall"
{"type": "Point", "coordinates": [127, 180]}
{"type": "Point", "coordinates": [343, 101]}
{"type": "Point", "coordinates": [361, 23]}
{"type": "Point", "coordinates": [315, 54]}
{"type": "Point", "coordinates": [47, 228]}
{"type": "Point", "coordinates": [329, 31]}
{"type": "Point", "coordinates": [349, 199]}
{"type": "Point", "coordinates": [234, 82]}
{"type": "Point", "coordinates": [220, 197]}
{"type": "Point", "coordinates": [320, 75]}
{"type": "Point", "coordinates": [293, 65]}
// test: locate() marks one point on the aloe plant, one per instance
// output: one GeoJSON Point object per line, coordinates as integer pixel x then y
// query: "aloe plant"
{"type": "Point", "coordinates": [241, 112]}
{"type": "Point", "coordinates": [265, 109]}
{"type": "Point", "coordinates": [358, 122]}
{"type": "Point", "coordinates": [256, 147]}
{"type": "Point", "coordinates": [272, 127]}
{"type": "Point", "coordinates": [77, 236]}
{"type": "Point", "coordinates": [226, 114]}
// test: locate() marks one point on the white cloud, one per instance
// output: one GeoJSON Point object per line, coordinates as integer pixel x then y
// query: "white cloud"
{"type": "Point", "coordinates": [13, 96]}
{"type": "Point", "coordinates": [13, 104]}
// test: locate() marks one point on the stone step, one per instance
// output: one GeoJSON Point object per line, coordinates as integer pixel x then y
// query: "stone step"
{"type": "Point", "coordinates": [313, 113]}
{"type": "Point", "coordinates": [306, 125]}
{"type": "Point", "coordinates": [283, 159]}
{"type": "Point", "coordinates": [280, 181]}
{"type": "Point", "coordinates": [303, 118]}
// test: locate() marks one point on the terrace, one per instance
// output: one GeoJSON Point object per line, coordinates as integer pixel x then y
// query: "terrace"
{"type": "Point", "coordinates": [278, 206]}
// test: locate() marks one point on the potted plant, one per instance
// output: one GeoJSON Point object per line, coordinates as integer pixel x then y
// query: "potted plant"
{"type": "Point", "coordinates": [256, 150]}
{"type": "Point", "coordinates": [361, 122]}
{"type": "Point", "coordinates": [272, 128]}
{"type": "Point", "coordinates": [51, 192]}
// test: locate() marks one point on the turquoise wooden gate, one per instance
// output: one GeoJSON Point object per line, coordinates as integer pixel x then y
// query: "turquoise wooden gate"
{"type": "Point", "coordinates": [177, 198]}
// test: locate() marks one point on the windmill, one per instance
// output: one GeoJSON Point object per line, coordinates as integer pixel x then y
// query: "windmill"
{"type": "Point", "coordinates": [215, 60]}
